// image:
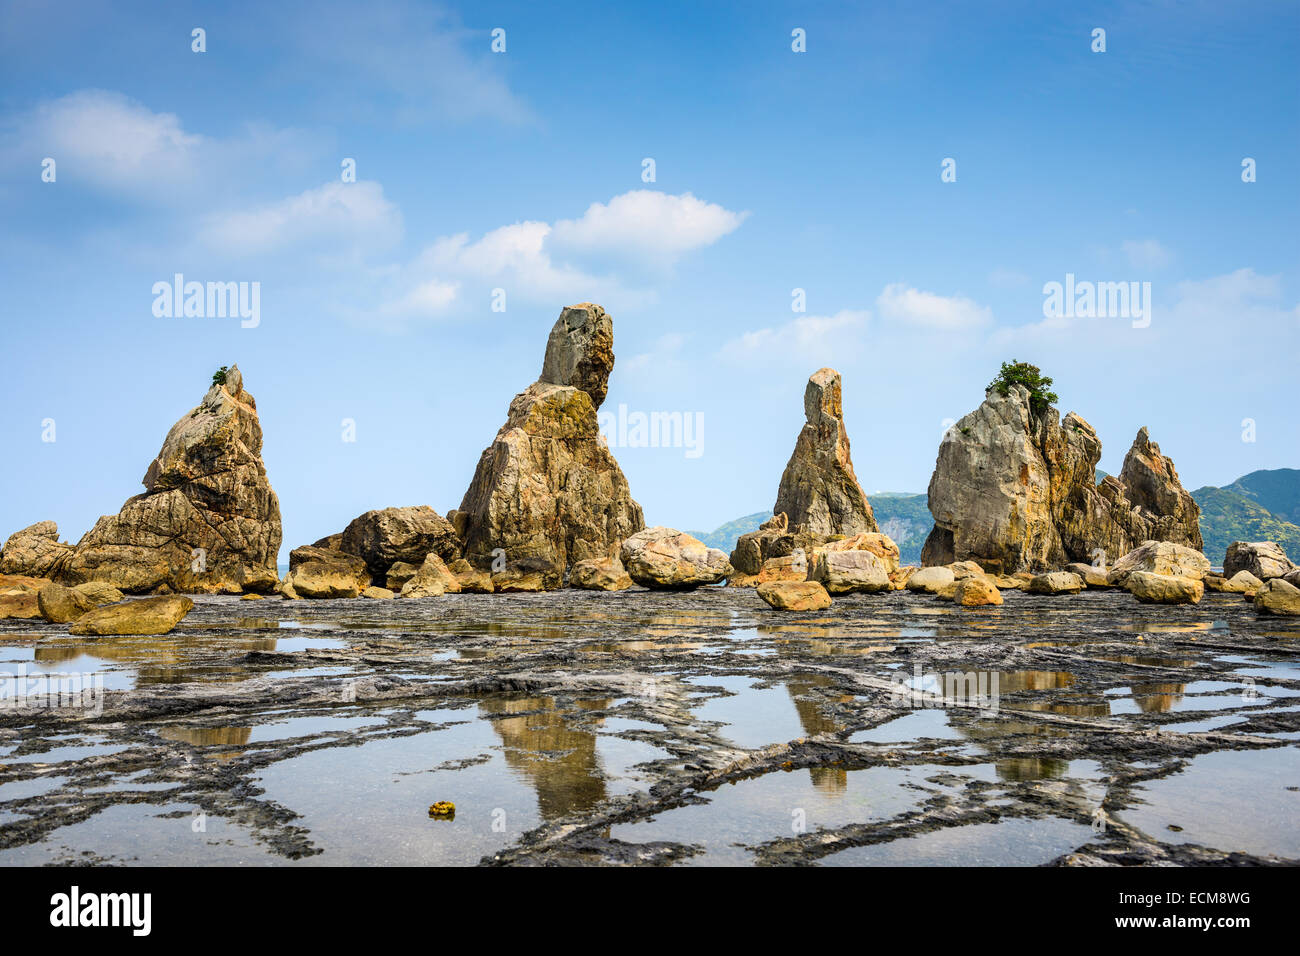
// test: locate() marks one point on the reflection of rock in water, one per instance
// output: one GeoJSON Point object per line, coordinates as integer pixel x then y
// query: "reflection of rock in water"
{"type": "Point", "coordinates": [814, 721]}
{"type": "Point", "coordinates": [157, 659]}
{"type": "Point", "coordinates": [559, 761]}
{"type": "Point", "coordinates": [1158, 698]}
{"type": "Point", "coordinates": [1011, 681]}
{"type": "Point", "coordinates": [208, 736]}
{"type": "Point", "coordinates": [1020, 769]}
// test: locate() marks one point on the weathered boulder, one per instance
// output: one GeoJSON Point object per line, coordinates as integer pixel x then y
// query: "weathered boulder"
{"type": "Point", "coordinates": [1278, 596]}
{"type": "Point", "coordinates": [20, 605]}
{"type": "Point", "coordinates": [156, 615]}
{"type": "Point", "coordinates": [668, 559]}
{"type": "Point", "coordinates": [433, 579]}
{"type": "Point", "coordinates": [376, 593]}
{"type": "Point", "coordinates": [548, 490]}
{"type": "Point", "coordinates": [931, 580]}
{"type": "Point", "coordinates": [794, 595]}
{"type": "Point", "coordinates": [879, 544]}
{"type": "Point", "coordinates": [1055, 582]}
{"type": "Point", "coordinates": [470, 578]}
{"type": "Point", "coordinates": [1092, 576]}
{"type": "Point", "coordinates": [792, 567]}
{"type": "Point", "coordinates": [99, 593]}
{"type": "Point", "coordinates": [819, 491]}
{"type": "Point", "coordinates": [1160, 557]}
{"type": "Point", "coordinates": [774, 539]}
{"type": "Point", "coordinates": [390, 535]}
{"type": "Point", "coordinates": [976, 591]}
{"type": "Point", "coordinates": [1014, 489]}
{"type": "Point", "coordinates": [1243, 582]}
{"type": "Point", "coordinates": [208, 520]}
{"type": "Point", "coordinates": [846, 572]}
{"type": "Point", "coordinates": [323, 573]}
{"type": "Point", "coordinates": [1151, 588]}
{"type": "Point", "coordinates": [1264, 559]}
{"type": "Point", "coordinates": [35, 551]}
{"type": "Point", "coordinates": [400, 573]}
{"type": "Point", "coordinates": [62, 605]}
{"type": "Point", "coordinates": [600, 574]}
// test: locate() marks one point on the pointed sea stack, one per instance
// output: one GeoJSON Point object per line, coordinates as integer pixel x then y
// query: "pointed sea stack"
{"type": "Point", "coordinates": [819, 493]}
{"type": "Point", "coordinates": [547, 492]}
{"type": "Point", "coordinates": [208, 520]}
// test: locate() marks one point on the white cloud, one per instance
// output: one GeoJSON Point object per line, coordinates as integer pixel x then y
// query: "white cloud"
{"type": "Point", "coordinates": [807, 338]}
{"type": "Point", "coordinates": [352, 215]}
{"type": "Point", "coordinates": [908, 306]}
{"type": "Point", "coordinates": [1146, 253]}
{"type": "Point", "coordinates": [526, 260]}
{"type": "Point", "coordinates": [664, 354]}
{"type": "Point", "coordinates": [107, 139]}
{"type": "Point", "coordinates": [649, 224]}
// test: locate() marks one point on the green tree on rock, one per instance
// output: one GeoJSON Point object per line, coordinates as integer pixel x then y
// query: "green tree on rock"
{"type": "Point", "coordinates": [1032, 378]}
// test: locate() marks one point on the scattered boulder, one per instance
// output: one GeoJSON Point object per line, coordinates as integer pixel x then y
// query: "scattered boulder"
{"type": "Point", "coordinates": [792, 567]}
{"type": "Point", "coordinates": [208, 520]}
{"type": "Point", "coordinates": [773, 539]}
{"type": "Point", "coordinates": [99, 593]}
{"type": "Point", "coordinates": [522, 580]}
{"type": "Point", "coordinates": [667, 559]}
{"type": "Point", "coordinates": [966, 569]}
{"type": "Point", "coordinates": [1278, 596]}
{"type": "Point", "coordinates": [390, 535]}
{"type": "Point", "coordinates": [322, 573]}
{"type": "Point", "coordinates": [879, 544]}
{"type": "Point", "coordinates": [377, 593]}
{"type": "Point", "coordinates": [819, 491]}
{"type": "Point", "coordinates": [931, 580]}
{"type": "Point", "coordinates": [1015, 489]}
{"type": "Point", "coordinates": [1092, 576]}
{"type": "Point", "coordinates": [62, 605]}
{"type": "Point", "coordinates": [1151, 588]}
{"type": "Point", "coordinates": [846, 572]}
{"type": "Point", "coordinates": [898, 579]}
{"type": "Point", "coordinates": [1263, 559]}
{"type": "Point", "coordinates": [35, 551]}
{"type": "Point", "coordinates": [794, 595]}
{"type": "Point", "coordinates": [1055, 582]}
{"type": "Point", "coordinates": [155, 615]}
{"type": "Point", "coordinates": [470, 578]}
{"type": "Point", "coordinates": [600, 574]}
{"type": "Point", "coordinates": [1162, 558]}
{"type": "Point", "coordinates": [21, 605]}
{"type": "Point", "coordinates": [433, 579]}
{"type": "Point", "coordinates": [976, 591]}
{"type": "Point", "coordinates": [400, 573]}
{"type": "Point", "coordinates": [548, 490]}
{"type": "Point", "coordinates": [1243, 582]}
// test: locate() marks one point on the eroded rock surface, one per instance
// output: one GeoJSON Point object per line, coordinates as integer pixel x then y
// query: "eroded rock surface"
{"type": "Point", "coordinates": [1015, 490]}
{"type": "Point", "coordinates": [208, 520]}
{"type": "Point", "coordinates": [819, 491]}
{"type": "Point", "coordinates": [547, 491]}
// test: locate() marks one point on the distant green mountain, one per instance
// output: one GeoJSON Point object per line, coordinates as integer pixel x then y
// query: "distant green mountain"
{"type": "Point", "coordinates": [1276, 490]}
{"type": "Point", "coordinates": [1227, 516]}
{"type": "Point", "coordinates": [724, 536]}
{"type": "Point", "coordinates": [901, 515]}
{"type": "Point", "coordinates": [906, 519]}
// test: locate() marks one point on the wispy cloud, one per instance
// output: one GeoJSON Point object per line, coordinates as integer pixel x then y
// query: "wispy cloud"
{"type": "Point", "coordinates": [354, 215]}
{"type": "Point", "coordinates": [905, 305]}
{"type": "Point", "coordinates": [1146, 253]}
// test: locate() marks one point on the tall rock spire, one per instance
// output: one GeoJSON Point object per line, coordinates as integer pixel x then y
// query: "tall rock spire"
{"type": "Point", "coordinates": [819, 492]}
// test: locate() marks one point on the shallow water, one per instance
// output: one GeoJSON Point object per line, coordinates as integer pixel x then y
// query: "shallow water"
{"type": "Point", "coordinates": [321, 732]}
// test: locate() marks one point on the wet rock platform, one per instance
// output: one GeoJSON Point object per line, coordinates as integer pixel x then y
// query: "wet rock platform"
{"type": "Point", "coordinates": [648, 728]}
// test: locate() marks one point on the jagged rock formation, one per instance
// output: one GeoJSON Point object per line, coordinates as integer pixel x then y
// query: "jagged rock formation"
{"type": "Point", "coordinates": [1014, 491]}
{"type": "Point", "coordinates": [819, 492]}
{"type": "Point", "coordinates": [35, 551]}
{"type": "Point", "coordinates": [547, 491]}
{"type": "Point", "coordinates": [208, 520]}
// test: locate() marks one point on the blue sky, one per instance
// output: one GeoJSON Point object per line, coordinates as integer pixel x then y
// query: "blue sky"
{"type": "Point", "coordinates": [522, 171]}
